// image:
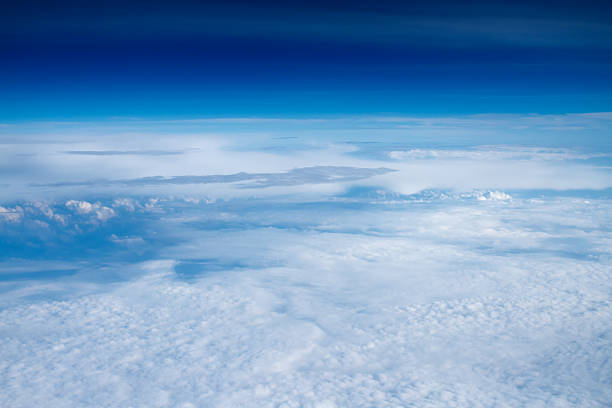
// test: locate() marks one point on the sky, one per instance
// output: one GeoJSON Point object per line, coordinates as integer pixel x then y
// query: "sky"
{"type": "Point", "coordinates": [153, 59]}
{"type": "Point", "coordinates": [306, 204]}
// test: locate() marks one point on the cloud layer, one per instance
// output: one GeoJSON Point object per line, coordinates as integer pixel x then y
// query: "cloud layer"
{"type": "Point", "coordinates": [447, 301]}
{"type": "Point", "coordinates": [314, 263]}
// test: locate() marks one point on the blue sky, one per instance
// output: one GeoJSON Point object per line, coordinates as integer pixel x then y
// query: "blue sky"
{"type": "Point", "coordinates": [150, 59]}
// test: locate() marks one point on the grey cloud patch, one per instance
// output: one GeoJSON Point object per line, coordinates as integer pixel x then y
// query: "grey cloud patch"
{"type": "Point", "coordinates": [124, 152]}
{"type": "Point", "coordinates": [304, 175]}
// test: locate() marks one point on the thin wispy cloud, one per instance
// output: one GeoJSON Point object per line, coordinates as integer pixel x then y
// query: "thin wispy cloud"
{"type": "Point", "coordinates": [306, 175]}
{"type": "Point", "coordinates": [124, 152]}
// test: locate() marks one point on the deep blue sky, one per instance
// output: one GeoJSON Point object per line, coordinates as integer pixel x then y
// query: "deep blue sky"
{"type": "Point", "coordinates": [88, 60]}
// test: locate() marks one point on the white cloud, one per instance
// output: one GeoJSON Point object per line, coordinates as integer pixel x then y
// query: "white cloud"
{"type": "Point", "coordinates": [494, 153]}
{"type": "Point", "coordinates": [232, 148]}
{"type": "Point", "coordinates": [494, 195]}
{"type": "Point", "coordinates": [14, 214]}
{"type": "Point", "coordinates": [101, 213]}
{"type": "Point", "coordinates": [456, 301]}
{"type": "Point", "coordinates": [462, 304]}
{"type": "Point", "coordinates": [128, 204]}
{"type": "Point", "coordinates": [128, 241]}
{"type": "Point", "coordinates": [467, 175]}
{"type": "Point", "coordinates": [328, 285]}
{"type": "Point", "coordinates": [81, 207]}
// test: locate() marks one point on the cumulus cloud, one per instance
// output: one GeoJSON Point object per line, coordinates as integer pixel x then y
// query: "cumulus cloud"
{"type": "Point", "coordinates": [494, 195]}
{"type": "Point", "coordinates": [102, 213]}
{"type": "Point", "coordinates": [81, 207]}
{"type": "Point", "coordinates": [126, 203]}
{"type": "Point", "coordinates": [450, 302]}
{"type": "Point", "coordinates": [11, 214]}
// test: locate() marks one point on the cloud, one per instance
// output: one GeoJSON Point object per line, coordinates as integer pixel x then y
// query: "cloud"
{"type": "Point", "coordinates": [126, 203]}
{"type": "Point", "coordinates": [236, 150]}
{"type": "Point", "coordinates": [124, 152]}
{"type": "Point", "coordinates": [11, 214]}
{"type": "Point", "coordinates": [102, 213]}
{"type": "Point", "coordinates": [453, 300]}
{"type": "Point", "coordinates": [81, 207]}
{"type": "Point", "coordinates": [308, 175]}
{"type": "Point", "coordinates": [467, 175]}
{"type": "Point", "coordinates": [495, 195]}
{"type": "Point", "coordinates": [490, 153]}
{"type": "Point", "coordinates": [129, 241]}
{"type": "Point", "coordinates": [385, 270]}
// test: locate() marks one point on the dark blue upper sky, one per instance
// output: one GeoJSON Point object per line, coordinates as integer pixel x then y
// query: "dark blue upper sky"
{"type": "Point", "coordinates": [88, 60]}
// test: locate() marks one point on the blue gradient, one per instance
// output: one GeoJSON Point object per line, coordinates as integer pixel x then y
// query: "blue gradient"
{"type": "Point", "coordinates": [214, 59]}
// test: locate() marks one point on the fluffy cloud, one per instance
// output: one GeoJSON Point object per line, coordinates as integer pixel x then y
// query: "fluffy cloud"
{"type": "Point", "coordinates": [297, 269]}
{"type": "Point", "coordinates": [494, 195]}
{"type": "Point", "coordinates": [448, 301]}
{"type": "Point", "coordinates": [11, 214]}
{"type": "Point", "coordinates": [101, 213]}
{"type": "Point", "coordinates": [81, 207]}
